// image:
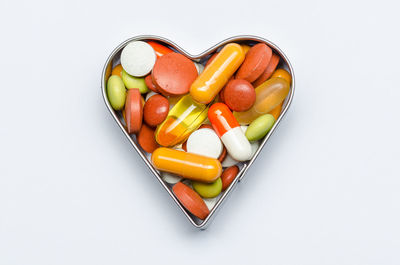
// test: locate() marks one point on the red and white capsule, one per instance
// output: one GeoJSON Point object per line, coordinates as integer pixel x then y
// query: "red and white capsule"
{"type": "Point", "coordinates": [228, 129]}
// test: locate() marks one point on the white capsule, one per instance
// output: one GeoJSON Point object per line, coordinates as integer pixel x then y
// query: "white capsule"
{"type": "Point", "coordinates": [237, 144]}
{"type": "Point", "coordinates": [138, 58]}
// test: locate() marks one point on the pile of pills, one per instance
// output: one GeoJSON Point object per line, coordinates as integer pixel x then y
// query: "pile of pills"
{"type": "Point", "coordinates": [199, 121]}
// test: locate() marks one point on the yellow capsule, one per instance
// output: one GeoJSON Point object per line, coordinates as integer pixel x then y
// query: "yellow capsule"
{"type": "Point", "coordinates": [189, 165]}
{"type": "Point", "coordinates": [214, 77]}
{"type": "Point", "coordinates": [245, 48]}
{"type": "Point", "coordinates": [282, 73]}
{"type": "Point", "coordinates": [269, 95]}
{"type": "Point", "coordinates": [185, 117]}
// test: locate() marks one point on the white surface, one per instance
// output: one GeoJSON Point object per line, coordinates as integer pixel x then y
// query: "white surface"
{"type": "Point", "coordinates": [324, 191]}
{"type": "Point", "coordinates": [204, 142]}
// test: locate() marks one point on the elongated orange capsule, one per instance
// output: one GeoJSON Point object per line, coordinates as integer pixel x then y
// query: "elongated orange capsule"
{"type": "Point", "coordinates": [217, 73]}
{"type": "Point", "coordinates": [269, 95]}
{"type": "Point", "coordinates": [189, 165]}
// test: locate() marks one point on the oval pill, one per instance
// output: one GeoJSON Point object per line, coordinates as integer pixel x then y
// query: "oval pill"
{"type": "Point", "coordinates": [146, 139]}
{"type": "Point", "coordinates": [138, 58]}
{"type": "Point", "coordinates": [228, 175]}
{"type": "Point", "coordinates": [273, 63]}
{"type": "Point", "coordinates": [208, 190]}
{"type": "Point", "coordinates": [116, 92]}
{"type": "Point", "coordinates": [260, 127]}
{"type": "Point", "coordinates": [134, 82]}
{"type": "Point", "coordinates": [256, 61]}
{"type": "Point", "coordinates": [228, 129]}
{"type": "Point", "coordinates": [159, 49]}
{"type": "Point", "coordinates": [282, 73]}
{"type": "Point", "coordinates": [191, 200]}
{"type": "Point", "coordinates": [208, 84]}
{"type": "Point", "coordinates": [191, 166]}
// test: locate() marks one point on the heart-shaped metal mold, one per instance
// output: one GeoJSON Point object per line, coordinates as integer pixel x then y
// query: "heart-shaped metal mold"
{"type": "Point", "coordinates": [245, 39]}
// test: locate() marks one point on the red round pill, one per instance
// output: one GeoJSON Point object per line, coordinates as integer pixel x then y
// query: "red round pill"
{"type": "Point", "coordinates": [173, 74]}
{"type": "Point", "coordinates": [228, 175]}
{"type": "Point", "coordinates": [239, 95]}
{"type": "Point", "coordinates": [149, 83]}
{"type": "Point", "coordinates": [133, 110]}
{"type": "Point", "coordinates": [257, 59]}
{"type": "Point", "coordinates": [155, 110]}
{"type": "Point", "coordinates": [146, 139]}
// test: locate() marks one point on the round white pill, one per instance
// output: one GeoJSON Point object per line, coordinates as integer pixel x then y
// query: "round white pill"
{"type": "Point", "coordinates": [204, 142]}
{"type": "Point", "coordinates": [138, 58]}
{"type": "Point", "coordinates": [170, 178]}
{"type": "Point", "coordinates": [229, 161]}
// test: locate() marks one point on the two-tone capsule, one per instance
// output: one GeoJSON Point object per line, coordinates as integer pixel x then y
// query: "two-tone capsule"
{"type": "Point", "coordinates": [228, 129]}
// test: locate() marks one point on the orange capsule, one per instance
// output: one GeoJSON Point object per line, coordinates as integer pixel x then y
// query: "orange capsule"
{"type": "Point", "coordinates": [214, 77]}
{"type": "Point", "coordinates": [159, 48]}
{"type": "Point", "coordinates": [192, 166]}
{"type": "Point", "coordinates": [276, 111]}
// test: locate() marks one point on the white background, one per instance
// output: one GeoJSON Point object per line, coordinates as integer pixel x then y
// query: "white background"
{"type": "Point", "coordinates": [325, 190]}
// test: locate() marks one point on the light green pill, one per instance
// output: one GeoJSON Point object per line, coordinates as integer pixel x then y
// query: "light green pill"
{"type": "Point", "coordinates": [134, 82]}
{"type": "Point", "coordinates": [208, 190]}
{"type": "Point", "coordinates": [260, 127]}
{"type": "Point", "coordinates": [116, 92]}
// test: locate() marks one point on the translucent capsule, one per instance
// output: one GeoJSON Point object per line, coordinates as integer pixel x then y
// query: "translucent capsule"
{"type": "Point", "coordinates": [269, 95]}
{"type": "Point", "coordinates": [185, 117]}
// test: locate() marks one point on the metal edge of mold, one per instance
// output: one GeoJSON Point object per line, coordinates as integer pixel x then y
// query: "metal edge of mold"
{"type": "Point", "coordinates": [205, 223]}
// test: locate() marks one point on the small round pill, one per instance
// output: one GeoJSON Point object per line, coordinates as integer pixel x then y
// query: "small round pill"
{"type": "Point", "coordinates": [155, 110]}
{"type": "Point", "coordinates": [239, 95]}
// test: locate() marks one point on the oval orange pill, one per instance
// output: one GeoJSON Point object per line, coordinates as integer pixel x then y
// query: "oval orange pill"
{"type": "Point", "coordinates": [117, 70]}
{"type": "Point", "coordinates": [228, 176]}
{"type": "Point", "coordinates": [276, 111]}
{"type": "Point", "coordinates": [155, 110]}
{"type": "Point", "coordinates": [159, 48]}
{"type": "Point", "coordinates": [149, 83]}
{"type": "Point", "coordinates": [256, 61]}
{"type": "Point", "coordinates": [173, 74]}
{"type": "Point", "coordinates": [268, 71]}
{"type": "Point", "coordinates": [146, 139]}
{"type": "Point", "coordinates": [239, 95]}
{"type": "Point", "coordinates": [191, 200]}
{"type": "Point", "coordinates": [133, 110]}
{"type": "Point", "coordinates": [282, 73]}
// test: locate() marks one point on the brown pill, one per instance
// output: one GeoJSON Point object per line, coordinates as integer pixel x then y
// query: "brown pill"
{"type": "Point", "coordinates": [228, 176]}
{"type": "Point", "coordinates": [133, 110]}
{"type": "Point", "coordinates": [257, 59]}
{"type": "Point", "coordinates": [173, 74]}
{"type": "Point", "coordinates": [222, 156]}
{"type": "Point", "coordinates": [239, 95]}
{"type": "Point", "coordinates": [268, 71]}
{"type": "Point", "coordinates": [191, 200]}
{"type": "Point", "coordinates": [149, 83]}
{"type": "Point", "coordinates": [211, 59]}
{"type": "Point", "coordinates": [155, 110]}
{"type": "Point", "coordinates": [146, 139]}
